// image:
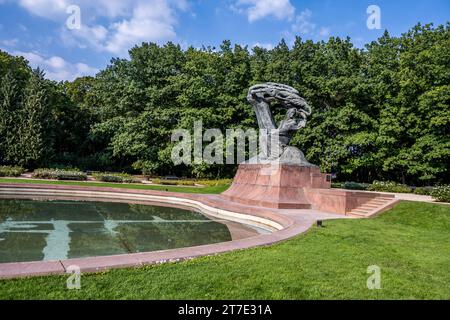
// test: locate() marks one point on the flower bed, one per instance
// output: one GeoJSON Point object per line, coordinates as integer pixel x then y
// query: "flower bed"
{"type": "Point", "coordinates": [11, 171]}
{"type": "Point", "coordinates": [441, 193]}
{"type": "Point", "coordinates": [389, 186]}
{"type": "Point", "coordinates": [59, 174]}
{"type": "Point", "coordinates": [115, 177]}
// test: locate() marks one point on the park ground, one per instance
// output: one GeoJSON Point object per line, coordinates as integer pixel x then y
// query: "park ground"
{"type": "Point", "coordinates": [410, 244]}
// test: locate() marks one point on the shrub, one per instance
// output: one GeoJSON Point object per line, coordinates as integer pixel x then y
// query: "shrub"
{"type": "Point", "coordinates": [9, 171]}
{"type": "Point", "coordinates": [44, 174]}
{"type": "Point", "coordinates": [337, 185]}
{"type": "Point", "coordinates": [58, 174]}
{"type": "Point", "coordinates": [212, 183]}
{"type": "Point", "coordinates": [355, 185]}
{"type": "Point", "coordinates": [441, 193]}
{"type": "Point", "coordinates": [425, 191]}
{"type": "Point", "coordinates": [115, 177]}
{"type": "Point", "coordinates": [389, 186]}
{"type": "Point", "coordinates": [174, 182]}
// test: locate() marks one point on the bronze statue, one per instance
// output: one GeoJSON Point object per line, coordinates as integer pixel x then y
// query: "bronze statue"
{"type": "Point", "coordinates": [275, 140]}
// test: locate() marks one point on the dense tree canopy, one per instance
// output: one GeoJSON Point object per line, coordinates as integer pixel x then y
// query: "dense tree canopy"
{"type": "Point", "coordinates": [381, 112]}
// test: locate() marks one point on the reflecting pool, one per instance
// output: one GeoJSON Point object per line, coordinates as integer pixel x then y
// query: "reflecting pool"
{"type": "Point", "coordinates": [32, 230]}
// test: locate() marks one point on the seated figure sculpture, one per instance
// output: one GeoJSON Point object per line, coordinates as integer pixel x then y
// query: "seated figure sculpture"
{"type": "Point", "coordinates": [275, 140]}
{"type": "Point", "coordinates": [280, 176]}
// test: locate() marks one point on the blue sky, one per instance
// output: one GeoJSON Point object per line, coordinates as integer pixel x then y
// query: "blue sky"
{"type": "Point", "coordinates": [38, 30]}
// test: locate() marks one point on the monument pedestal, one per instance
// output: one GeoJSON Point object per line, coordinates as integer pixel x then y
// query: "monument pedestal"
{"type": "Point", "coordinates": [287, 186]}
{"type": "Point", "coordinates": [281, 186]}
{"type": "Point", "coordinates": [280, 176]}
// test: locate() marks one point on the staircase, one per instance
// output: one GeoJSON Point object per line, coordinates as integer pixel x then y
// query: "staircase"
{"type": "Point", "coordinates": [373, 207]}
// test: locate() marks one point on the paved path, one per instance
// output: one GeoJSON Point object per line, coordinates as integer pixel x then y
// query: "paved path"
{"type": "Point", "coordinates": [411, 197]}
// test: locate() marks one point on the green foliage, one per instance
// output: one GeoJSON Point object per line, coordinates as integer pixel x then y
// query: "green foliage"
{"type": "Point", "coordinates": [25, 116]}
{"type": "Point", "coordinates": [41, 122]}
{"type": "Point", "coordinates": [174, 182]}
{"type": "Point", "coordinates": [219, 182]}
{"type": "Point", "coordinates": [115, 177]}
{"type": "Point", "coordinates": [379, 113]}
{"type": "Point", "coordinates": [337, 185]}
{"type": "Point", "coordinates": [389, 186]}
{"type": "Point", "coordinates": [413, 97]}
{"type": "Point", "coordinates": [59, 174]}
{"type": "Point", "coordinates": [9, 171]}
{"type": "Point", "coordinates": [425, 191]}
{"type": "Point", "coordinates": [355, 186]}
{"type": "Point", "coordinates": [27, 144]}
{"type": "Point", "coordinates": [441, 193]}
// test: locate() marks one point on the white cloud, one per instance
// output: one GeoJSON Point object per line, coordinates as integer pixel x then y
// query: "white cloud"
{"type": "Point", "coordinates": [10, 42]}
{"type": "Point", "coordinates": [129, 22]}
{"type": "Point", "coordinates": [268, 46]}
{"type": "Point", "coordinates": [151, 21]}
{"type": "Point", "coordinates": [324, 31]}
{"type": "Point", "coordinates": [124, 23]}
{"type": "Point", "coordinates": [56, 68]}
{"type": "Point", "coordinates": [92, 37]}
{"type": "Point", "coordinates": [303, 25]}
{"type": "Point", "coordinates": [112, 26]}
{"type": "Point", "coordinates": [259, 9]}
{"type": "Point", "coordinates": [22, 27]}
{"type": "Point", "coordinates": [110, 8]}
{"type": "Point", "coordinates": [56, 9]}
{"type": "Point", "coordinates": [52, 9]}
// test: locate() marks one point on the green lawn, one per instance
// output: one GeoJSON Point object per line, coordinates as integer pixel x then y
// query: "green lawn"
{"type": "Point", "coordinates": [210, 190]}
{"type": "Point", "coordinates": [410, 243]}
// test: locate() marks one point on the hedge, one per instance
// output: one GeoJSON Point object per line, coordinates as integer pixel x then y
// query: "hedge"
{"type": "Point", "coordinates": [59, 174]}
{"type": "Point", "coordinates": [350, 185]}
{"type": "Point", "coordinates": [441, 193]}
{"type": "Point", "coordinates": [10, 171]}
{"type": "Point", "coordinates": [355, 185]}
{"type": "Point", "coordinates": [425, 191]}
{"type": "Point", "coordinates": [174, 182]}
{"type": "Point", "coordinates": [389, 186]}
{"type": "Point", "coordinates": [115, 177]}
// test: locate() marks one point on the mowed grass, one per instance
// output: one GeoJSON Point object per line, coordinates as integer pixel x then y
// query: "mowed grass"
{"type": "Point", "coordinates": [206, 190]}
{"type": "Point", "coordinates": [410, 244]}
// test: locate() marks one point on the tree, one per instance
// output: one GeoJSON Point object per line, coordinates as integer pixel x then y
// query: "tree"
{"type": "Point", "coordinates": [9, 102]}
{"type": "Point", "coordinates": [26, 147]}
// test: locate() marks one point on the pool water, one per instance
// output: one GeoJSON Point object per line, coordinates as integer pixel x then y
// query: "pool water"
{"type": "Point", "coordinates": [32, 230]}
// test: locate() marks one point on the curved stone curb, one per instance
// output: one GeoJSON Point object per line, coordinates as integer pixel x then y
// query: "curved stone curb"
{"type": "Point", "coordinates": [285, 224]}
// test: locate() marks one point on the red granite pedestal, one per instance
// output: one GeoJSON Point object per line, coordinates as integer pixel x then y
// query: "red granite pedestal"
{"type": "Point", "coordinates": [292, 187]}
{"type": "Point", "coordinates": [276, 186]}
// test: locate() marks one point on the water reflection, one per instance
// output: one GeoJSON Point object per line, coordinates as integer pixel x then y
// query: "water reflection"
{"type": "Point", "coordinates": [49, 230]}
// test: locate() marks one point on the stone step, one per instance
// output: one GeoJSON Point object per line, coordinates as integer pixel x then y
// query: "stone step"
{"type": "Point", "coordinates": [375, 203]}
{"type": "Point", "coordinates": [360, 211]}
{"type": "Point", "coordinates": [384, 198]}
{"type": "Point", "coordinates": [379, 200]}
{"type": "Point", "coordinates": [369, 208]}
{"type": "Point", "coordinates": [372, 205]}
{"type": "Point", "coordinates": [357, 215]}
